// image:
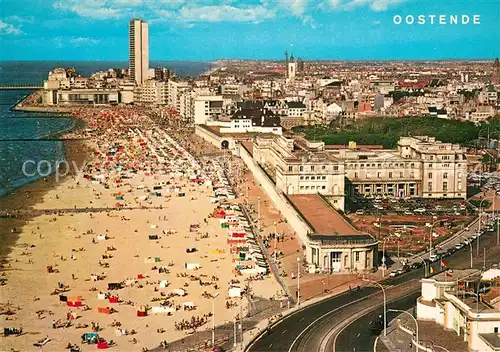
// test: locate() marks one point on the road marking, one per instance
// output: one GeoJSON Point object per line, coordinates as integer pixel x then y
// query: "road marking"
{"type": "Point", "coordinates": [326, 314]}
{"type": "Point", "coordinates": [375, 344]}
{"type": "Point", "coordinates": [301, 319]}
{"type": "Point", "coordinates": [283, 332]}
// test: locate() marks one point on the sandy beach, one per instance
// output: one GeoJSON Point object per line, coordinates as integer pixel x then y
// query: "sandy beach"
{"type": "Point", "coordinates": [133, 217]}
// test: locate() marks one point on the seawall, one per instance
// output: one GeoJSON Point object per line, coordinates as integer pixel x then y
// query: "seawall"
{"type": "Point", "coordinates": [281, 203]}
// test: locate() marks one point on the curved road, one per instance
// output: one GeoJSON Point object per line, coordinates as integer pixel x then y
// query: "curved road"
{"type": "Point", "coordinates": [341, 323]}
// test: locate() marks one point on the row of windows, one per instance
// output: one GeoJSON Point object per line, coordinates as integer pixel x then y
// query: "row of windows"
{"type": "Point", "coordinates": [445, 195]}
{"type": "Point", "coordinates": [312, 178]}
{"type": "Point", "coordinates": [445, 175]}
{"type": "Point", "coordinates": [444, 157]}
{"type": "Point", "coordinates": [443, 165]}
{"type": "Point", "coordinates": [379, 165]}
{"type": "Point", "coordinates": [391, 175]}
{"type": "Point", "coordinates": [311, 187]}
{"type": "Point", "coordinates": [445, 186]}
{"type": "Point", "coordinates": [312, 168]}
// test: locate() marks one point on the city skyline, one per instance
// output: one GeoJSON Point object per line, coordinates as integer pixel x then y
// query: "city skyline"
{"type": "Point", "coordinates": [181, 30]}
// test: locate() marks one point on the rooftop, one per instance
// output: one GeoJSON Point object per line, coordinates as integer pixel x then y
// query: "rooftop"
{"type": "Point", "coordinates": [493, 340]}
{"type": "Point", "coordinates": [323, 218]}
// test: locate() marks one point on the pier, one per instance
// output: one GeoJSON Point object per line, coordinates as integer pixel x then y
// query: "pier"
{"type": "Point", "coordinates": [20, 87]}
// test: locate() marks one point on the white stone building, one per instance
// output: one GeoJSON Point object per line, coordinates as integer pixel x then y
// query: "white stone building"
{"type": "Point", "coordinates": [453, 299]}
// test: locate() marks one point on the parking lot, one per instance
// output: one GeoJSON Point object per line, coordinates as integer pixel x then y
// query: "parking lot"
{"type": "Point", "coordinates": [404, 225]}
{"type": "Point", "coordinates": [378, 206]}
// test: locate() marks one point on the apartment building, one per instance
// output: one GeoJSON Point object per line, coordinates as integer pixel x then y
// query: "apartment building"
{"type": "Point", "coordinates": [252, 121]}
{"type": "Point", "coordinates": [187, 99]}
{"type": "Point", "coordinates": [175, 89]}
{"type": "Point", "coordinates": [207, 108]}
{"type": "Point", "coordinates": [138, 50]}
{"type": "Point", "coordinates": [301, 167]}
{"type": "Point", "coordinates": [151, 92]}
{"type": "Point", "coordinates": [86, 97]}
{"type": "Point", "coordinates": [466, 302]}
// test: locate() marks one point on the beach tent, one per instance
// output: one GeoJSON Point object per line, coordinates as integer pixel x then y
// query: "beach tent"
{"type": "Point", "coordinates": [162, 309]}
{"type": "Point", "coordinates": [104, 310]}
{"type": "Point", "coordinates": [163, 283]}
{"type": "Point", "coordinates": [115, 285]}
{"type": "Point", "coordinates": [192, 266]}
{"type": "Point", "coordinates": [234, 291]}
{"type": "Point", "coordinates": [101, 237]}
{"type": "Point", "coordinates": [179, 292]}
{"type": "Point", "coordinates": [90, 338]}
{"type": "Point", "coordinates": [102, 345]}
{"type": "Point", "coordinates": [142, 312]}
{"type": "Point", "coordinates": [101, 296]}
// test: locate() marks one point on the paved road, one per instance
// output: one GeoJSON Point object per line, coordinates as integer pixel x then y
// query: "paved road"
{"type": "Point", "coordinates": [450, 242]}
{"type": "Point", "coordinates": [313, 330]}
{"type": "Point", "coordinates": [358, 337]}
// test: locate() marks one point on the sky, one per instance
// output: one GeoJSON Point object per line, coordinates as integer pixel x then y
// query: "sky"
{"type": "Point", "coordinates": [247, 29]}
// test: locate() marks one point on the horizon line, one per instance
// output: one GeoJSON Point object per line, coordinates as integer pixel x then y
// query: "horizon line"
{"type": "Point", "coordinates": [268, 59]}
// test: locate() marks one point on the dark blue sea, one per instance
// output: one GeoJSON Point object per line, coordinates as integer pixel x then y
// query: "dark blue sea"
{"type": "Point", "coordinates": [20, 133]}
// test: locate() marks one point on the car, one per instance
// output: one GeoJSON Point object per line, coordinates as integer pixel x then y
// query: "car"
{"type": "Point", "coordinates": [416, 265]}
{"type": "Point", "coordinates": [359, 212]}
{"type": "Point", "coordinates": [394, 273]}
{"type": "Point", "coordinates": [451, 250]}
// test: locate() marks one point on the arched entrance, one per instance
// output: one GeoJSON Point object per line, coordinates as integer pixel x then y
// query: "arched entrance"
{"type": "Point", "coordinates": [224, 144]}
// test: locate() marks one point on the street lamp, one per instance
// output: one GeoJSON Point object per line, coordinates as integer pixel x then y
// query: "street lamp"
{"type": "Point", "coordinates": [425, 265]}
{"type": "Point", "coordinates": [415, 320]}
{"type": "Point", "coordinates": [258, 215]}
{"type": "Point", "coordinates": [213, 317]}
{"type": "Point", "coordinates": [495, 216]}
{"type": "Point", "coordinates": [383, 257]}
{"type": "Point", "coordinates": [430, 236]}
{"type": "Point", "coordinates": [298, 281]}
{"type": "Point", "coordinates": [275, 241]}
{"type": "Point", "coordinates": [385, 302]}
{"type": "Point", "coordinates": [480, 219]}
{"type": "Point", "coordinates": [234, 327]}
{"type": "Point", "coordinates": [246, 190]}
{"type": "Point", "coordinates": [470, 244]}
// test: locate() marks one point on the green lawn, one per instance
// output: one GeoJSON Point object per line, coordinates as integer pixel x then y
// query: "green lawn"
{"type": "Point", "coordinates": [387, 130]}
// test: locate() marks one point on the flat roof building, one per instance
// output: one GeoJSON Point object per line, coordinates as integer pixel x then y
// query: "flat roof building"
{"type": "Point", "coordinates": [138, 51]}
{"type": "Point", "coordinates": [466, 302]}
